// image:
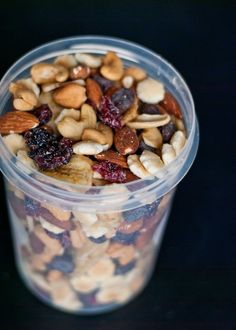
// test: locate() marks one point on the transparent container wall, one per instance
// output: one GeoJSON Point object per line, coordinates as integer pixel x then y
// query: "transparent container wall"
{"type": "Point", "coordinates": [85, 262]}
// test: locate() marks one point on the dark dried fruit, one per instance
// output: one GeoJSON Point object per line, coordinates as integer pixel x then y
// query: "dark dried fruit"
{"type": "Point", "coordinates": [43, 113]}
{"type": "Point", "coordinates": [144, 212]}
{"type": "Point", "coordinates": [104, 83]}
{"type": "Point", "coordinates": [63, 238]}
{"type": "Point", "coordinates": [46, 150]}
{"type": "Point", "coordinates": [167, 131]}
{"type": "Point", "coordinates": [123, 269]}
{"type": "Point", "coordinates": [31, 206]}
{"type": "Point", "coordinates": [123, 99]}
{"type": "Point", "coordinates": [126, 239]}
{"type": "Point", "coordinates": [62, 263]}
{"type": "Point", "coordinates": [109, 113]}
{"type": "Point", "coordinates": [149, 109]}
{"type": "Point", "coordinates": [110, 172]}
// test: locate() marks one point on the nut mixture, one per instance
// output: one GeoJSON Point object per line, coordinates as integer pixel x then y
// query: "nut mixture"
{"type": "Point", "coordinates": [90, 120]}
{"type": "Point", "coordinates": [123, 121]}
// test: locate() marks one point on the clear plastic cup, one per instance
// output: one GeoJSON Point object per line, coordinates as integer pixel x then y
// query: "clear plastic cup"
{"type": "Point", "coordinates": [91, 250]}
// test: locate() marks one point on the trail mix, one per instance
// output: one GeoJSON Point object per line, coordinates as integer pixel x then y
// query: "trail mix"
{"type": "Point", "coordinates": [91, 121]}
{"type": "Point", "coordinates": [82, 108]}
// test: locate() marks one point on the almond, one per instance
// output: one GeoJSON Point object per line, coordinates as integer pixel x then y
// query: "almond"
{"type": "Point", "coordinates": [126, 141]}
{"type": "Point", "coordinates": [70, 96]}
{"type": "Point", "coordinates": [94, 92]}
{"type": "Point", "coordinates": [17, 122]}
{"type": "Point", "coordinates": [113, 157]}
{"type": "Point", "coordinates": [170, 104]}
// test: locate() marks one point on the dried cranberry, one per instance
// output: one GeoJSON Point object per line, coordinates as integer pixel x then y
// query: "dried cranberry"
{"type": "Point", "coordinates": [46, 150]}
{"type": "Point", "coordinates": [109, 113]}
{"type": "Point", "coordinates": [123, 99]}
{"type": "Point", "coordinates": [104, 83]}
{"type": "Point", "coordinates": [43, 113]}
{"type": "Point", "coordinates": [149, 109]}
{"type": "Point", "coordinates": [167, 131]}
{"type": "Point", "coordinates": [110, 172]}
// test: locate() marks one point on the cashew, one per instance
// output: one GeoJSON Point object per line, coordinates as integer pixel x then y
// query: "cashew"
{"type": "Point", "coordinates": [149, 121]}
{"type": "Point", "coordinates": [152, 162]}
{"type": "Point", "coordinates": [14, 142]}
{"type": "Point", "coordinates": [150, 91]}
{"type": "Point", "coordinates": [87, 148]}
{"type": "Point", "coordinates": [88, 116]}
{"type": "Point", "coordinates": [178, 141]}
{"type": "Point", "coordinates": [89, 60]}
{"type": "Point", "coordinates": [70, 128]}
{"type": "Point", "coordinates": [152, 137]}
{"type": "Point", "coordinates": [179, 124]}
{"type": "Point", "coordinates": [48, 87]}
{"type": "Point", "coordinates": [72, 113]}
{"type": "Point", "coordinates": [136, 72]}
{"type": "Point", "coordinates": [130, 114]}
{"type": "Point", "coordinates": [167, 153]}
{"type": "Point", "coordinates": [127, 81]}
{"type": "Point", "coordinates": [102, 134]}
{"type": "Point", "coordinates": [43, 73]}
{"type": "Point", "coordinates": [136, 167]}
{"type": "Point", "coordinates": [68, 61]}
{"type": "Point", "coordinates": [46, 98]}
{"type": "Point", "coordinates": [22, 157]}
{"type": "Point", "coordinates": [24, 84]}
{"type": "Point", "coordinates": [25, 100]}
{"type": "Point", "coordinates": [112, 67]}
{"type": "Point", "coordinates": [70, 95]}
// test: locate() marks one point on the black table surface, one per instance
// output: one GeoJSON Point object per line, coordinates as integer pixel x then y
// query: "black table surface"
{"type": "Point", "coordinates": [194, 283]}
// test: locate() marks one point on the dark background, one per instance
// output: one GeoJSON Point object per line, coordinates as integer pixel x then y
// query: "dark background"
{"type": "Point", "coordinates": [194, 284]}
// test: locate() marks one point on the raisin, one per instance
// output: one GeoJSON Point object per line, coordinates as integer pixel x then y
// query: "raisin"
{"type": "Point", "coordinates": [110, 171]}
{"type": "Point", "coordinates": [167, 131]}
{"type": "Point", "coordinates": [109, 113]}
{"type": "Point", "coordinates": [149, 109]}
{"type": "Point", "coordinates": [43, 113]}
{"type": "Point", "coordinates": [46, 150]}
{"type": "Point", "coordinates": [123, 99]}
{"type": "Point", "coordinates": [104, 83]}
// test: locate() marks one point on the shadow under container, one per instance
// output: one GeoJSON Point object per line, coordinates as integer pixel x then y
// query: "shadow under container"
{"type": "Point", "coordinates": [92, 249]}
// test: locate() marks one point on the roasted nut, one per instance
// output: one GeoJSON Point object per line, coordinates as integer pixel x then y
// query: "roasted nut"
{"type": "Point", "coordinates": [136, 167]}
{"type": "Point", "coordinates": [22, 156]}
{"type": "Point", "coordinates": [48, 87]}
{"type": "Point", "coordinates": [130, 114]}
{"type": "Point", "coordinates": [46, 98]}
{"type": "Point", "coordinates": [72, 113]}
{"type": "Point", "coordinates": [167, 153]}
{"type": "Point", "coordinates": [88, 116]}
{"type": "Point", "coordinates": [17, 122]}
{"type": "Point", "coordinates": [70, 128]}
{"type": "Point", "coordinates": [24, 84]}
{"type": "Point", "coordinates": [94, 92]}
{"type": "Point", "coordinates": [103, 134]}
{"type": "Point", "coordinates": [68, 61]}
{"type": "Point", "coordinates": [14, 142]}
{"type": "Point", "coordinates": [127, 81]}
{"type": "Point", "coordinates": [126, 141]}
{"type": "Point", "coordinates": [150, 91]}
{"type": "Point", "coordinates": [79, 72]}
{"type": "Point", "coordinates": [152, 162]}
{"type": "Point", "coordinates": [113, 157]}
{"type": "Point", "coordinates": [25, 100]}
{"type": "Point", "coordinates": [112, 67]}
{"type": "Point", "coordinates": [87, 148]}
{"type": "Point", "coordinates": [152, 137]}
{"type": "Point", "coordinates": [89, 60]}
{"type": "Point", "coordinates": [170, 104]}
{"type": "Point", "coordinates": [43, 73]}
{"type": "Point", "coordinates": [178, 141]}
{"type": "Point", "coordinates": [102, 270]}
{"type": "Point", "coordinates": [111, 294]}
{"type": "Point", "coordinates": [149, 121]}
{"type": "Point", "coordinates": [70, 96]}
{"type": "Point", "coordinates": [136, 72]}
{"type": "Point", "coordinates": [83, 283]}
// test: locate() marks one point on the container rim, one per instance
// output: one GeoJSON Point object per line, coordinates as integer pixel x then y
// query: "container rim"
{"type": "Point", "coordinates": [170, 175]}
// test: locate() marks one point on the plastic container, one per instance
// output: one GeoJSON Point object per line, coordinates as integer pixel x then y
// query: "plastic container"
{"type": "Point", "coordinates": [91, 250]}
